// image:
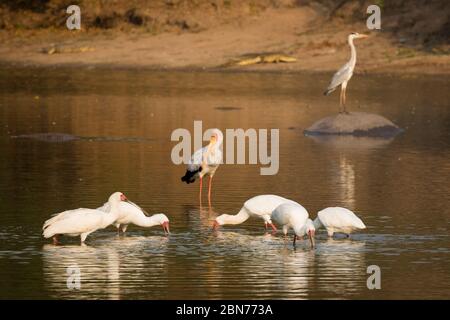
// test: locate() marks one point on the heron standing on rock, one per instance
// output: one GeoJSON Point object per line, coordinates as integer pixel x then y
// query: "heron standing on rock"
{"type": "Point", "coordinates": [345, 73]}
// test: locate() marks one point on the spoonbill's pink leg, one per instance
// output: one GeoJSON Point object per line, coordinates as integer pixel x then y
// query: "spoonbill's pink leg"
{"type": "Point", "coordinates": [273, 226]}
{"type": "Point", "coordinates": [55, 239]}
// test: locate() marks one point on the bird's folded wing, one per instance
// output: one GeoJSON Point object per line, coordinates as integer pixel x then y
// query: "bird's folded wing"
{"type": "Point", "coordinates": [78, 221]}
{"type": "Point", "coordinates": [340, 76]}
{"type": "Point", "coordinates": [196, 160]}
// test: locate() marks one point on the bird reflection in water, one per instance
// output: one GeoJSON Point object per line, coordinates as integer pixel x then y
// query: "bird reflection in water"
{"type": "Point", "coordinates": [346, 176]}
{"type": "Point", "coordinates": [106, 269]}
{"type": "Point", "coordinates": [343, 268]}
{"type": "Point", "coordinates": [345, 148]}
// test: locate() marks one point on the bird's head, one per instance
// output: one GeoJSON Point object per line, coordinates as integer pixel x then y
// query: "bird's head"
{"type": "Point", "coordinates": [162, 219]}
{"type": "Point", "coordinates": [117, 197]}
{"type": "Point", "coordinates": [356, 35]}
{"type": "Point", "coordinates": [219, 221]}
{"type": "Point", "coordinates": [216, 136]}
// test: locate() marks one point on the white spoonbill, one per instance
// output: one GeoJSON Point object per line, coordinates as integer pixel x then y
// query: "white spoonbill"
{"type": "Point", "coordinates": [294, 216]}
{"type": "Point", "coordinates": [260, 206]}
{"type": "Point", "coordinates": [131, 213]}
{"type": "Point", "coordinates": [81, 222]}
{"type": "Point", "coordinates": [205, 161]}
{"type": "Point", "coordinates": [337, 219]}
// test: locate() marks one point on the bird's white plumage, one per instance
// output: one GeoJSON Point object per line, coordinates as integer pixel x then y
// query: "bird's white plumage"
{"type": "Point", "coordinates": [76, 222]}
{"type": "Point", "coordinates": [337, 219]}
{"type": "Point", "coordinates": [265, 204]}
{"type": "Point", "coordinates": [126, 211]}
{"type": "Point", "coordinates": [208, 158]}
{"type": "Point", "coordinates": [293, 215]}
{"type": "Point", "coordinates": [196, 159]}
{"type": "Point", "coordinates": [205, 161]}
{"type": "Point", "coordinates": [130, 213]}
{"type": "Point", "coordinates": [343, 75]}
{"type": "Point", "coordinates": [290, 215]}
{"type": "Point", "coordinates": [260, 206]}
{"type": "Point", "coordinates": [81, 222]}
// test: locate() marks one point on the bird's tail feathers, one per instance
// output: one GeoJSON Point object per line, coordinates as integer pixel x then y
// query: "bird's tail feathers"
{"type": "Point", "coordinates": [360, 224]}
{"type": "Point", "coordinates": [48, 233]}
{"type": "Point", "coordinates": [189, 176]}
{"type": "Point", "coordinates": [50, 221]}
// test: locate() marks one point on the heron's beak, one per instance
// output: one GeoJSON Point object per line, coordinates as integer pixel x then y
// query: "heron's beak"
{"type": "Point", "coordinates": [362, 36]}
{"type": "Point", "coordinates": [215, 225]}
{"type": "Point", "coordinates": [165, 226]}
{"type": "Point", "coordinates": [311, 239]}
{"type": "Point", "coordinates": [213, 140]}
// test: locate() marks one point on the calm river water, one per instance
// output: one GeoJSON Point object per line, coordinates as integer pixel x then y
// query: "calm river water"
{"type": "Point", "coordinates": [400, 188]}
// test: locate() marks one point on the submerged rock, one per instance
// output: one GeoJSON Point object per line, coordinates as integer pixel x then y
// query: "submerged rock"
{"type": "Point", "coordinates": [54, 137]}
{"type": "Point", "coordinates": [354, 123]}
{"type": "Point", "coordinates": [48, 137]}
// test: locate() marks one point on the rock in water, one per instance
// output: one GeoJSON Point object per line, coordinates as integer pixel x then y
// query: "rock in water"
{"type": "Point", "coordinates": [354, 123]}
{"type": "Point", "coordinates": [65, 137]}
{"type": "Point", "coordinates": [48, 137]}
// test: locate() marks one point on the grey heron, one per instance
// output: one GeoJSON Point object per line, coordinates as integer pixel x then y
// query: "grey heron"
{"type": "Point", "coordinates": [345, 73]}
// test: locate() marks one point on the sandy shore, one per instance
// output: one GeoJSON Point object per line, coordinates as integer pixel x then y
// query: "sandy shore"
{"type": "Point", "coordinates": [299, 32]}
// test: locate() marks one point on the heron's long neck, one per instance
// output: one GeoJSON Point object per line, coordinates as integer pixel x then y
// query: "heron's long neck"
{"type": "Point", "coordinates": [145, 221]}
{"type": "Point", "coordinates": [317, 223]}
{"type": "Point", "coordinates": [353, 52]}
{"type": "Point", "coordinates": [237, 218]}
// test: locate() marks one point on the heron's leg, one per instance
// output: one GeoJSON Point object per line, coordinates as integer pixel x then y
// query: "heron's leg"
{"type": "Point", "coordinates": [209, 190]}
{"type": "Point", "coordinates": [344, 89]}
{"type": "Point", "coordinates": [345, 110]}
